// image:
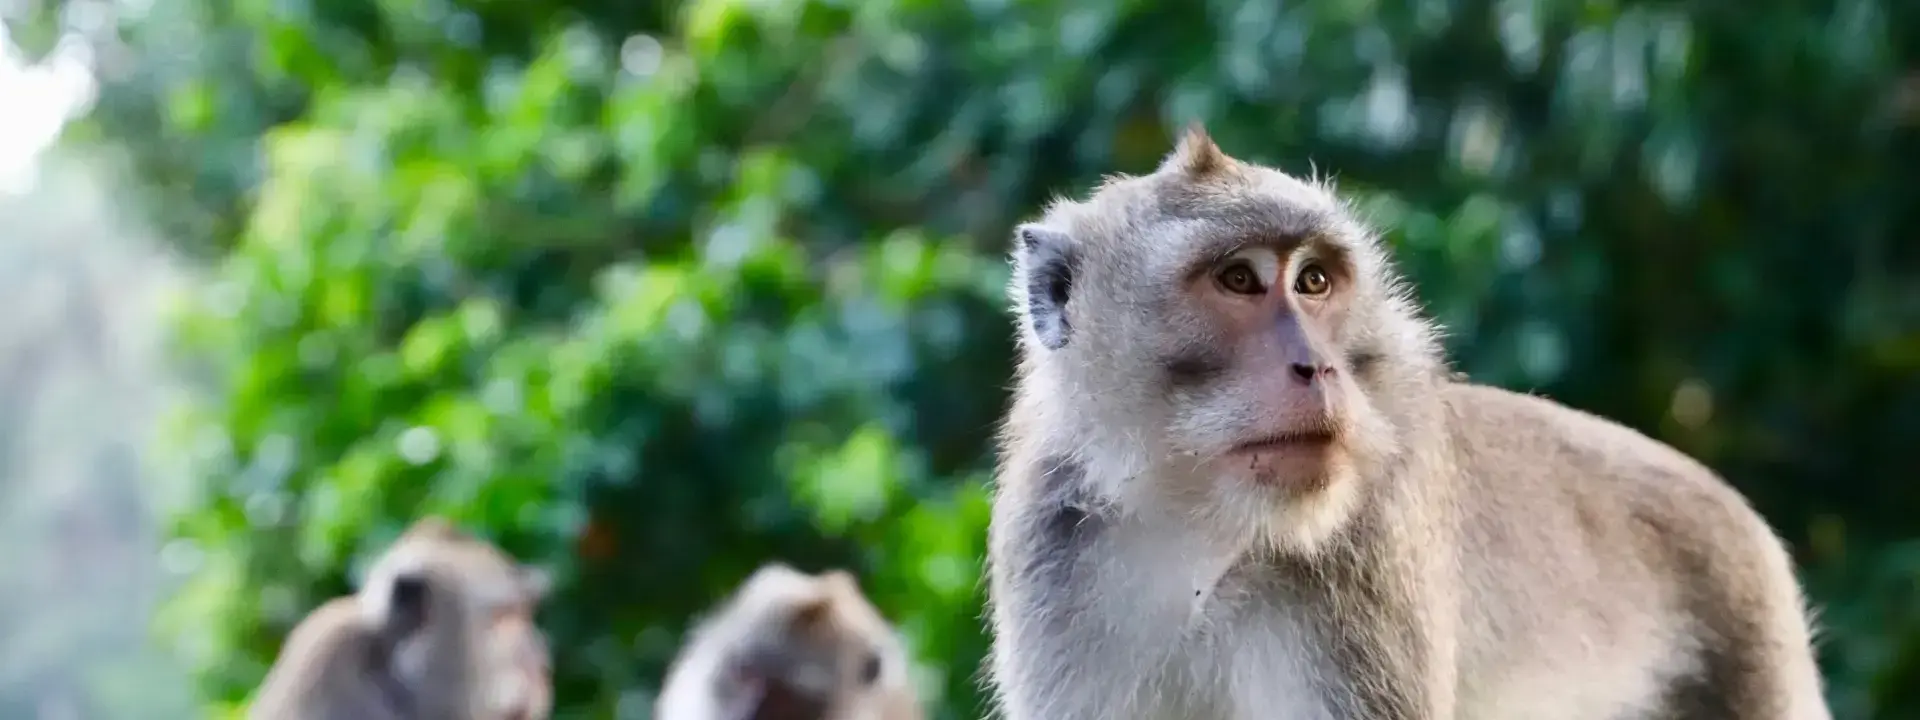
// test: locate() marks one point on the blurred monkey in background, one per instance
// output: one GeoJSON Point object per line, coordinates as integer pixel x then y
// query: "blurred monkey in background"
{"type": "Point", "coordinates": [443, 629]}
{"type": "Point", "coordinates": [792, 646]}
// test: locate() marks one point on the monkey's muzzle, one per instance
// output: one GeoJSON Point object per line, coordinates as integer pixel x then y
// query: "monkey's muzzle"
{"type": "Point", "coordinates": [780, 701]}
{"type": "Point", "coordinates": [761, 694]}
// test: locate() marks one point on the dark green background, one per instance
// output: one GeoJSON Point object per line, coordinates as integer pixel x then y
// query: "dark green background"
{"type": "Point", "coordinates": [656, 292]}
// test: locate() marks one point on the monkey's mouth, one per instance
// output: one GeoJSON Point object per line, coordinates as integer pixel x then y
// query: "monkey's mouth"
{"type": "Point", "coordinates": [1289, 440]}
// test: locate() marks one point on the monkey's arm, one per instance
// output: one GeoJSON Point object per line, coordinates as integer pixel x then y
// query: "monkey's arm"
{"type": "Point", "coordinates": [323, 671]}
{"type": "Point", "coordinates": [1028, 675]}
{"type": "Point", "coordinates": [304, 675]}
{"type": "Point", "coordinates": [1039, 545]}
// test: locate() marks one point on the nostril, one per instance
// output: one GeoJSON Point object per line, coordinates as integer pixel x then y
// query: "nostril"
{"type": "Point", "coordinates": [1304, 373]}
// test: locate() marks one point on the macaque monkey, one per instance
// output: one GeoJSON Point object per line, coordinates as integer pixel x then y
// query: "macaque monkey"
{"type": "Point", "coordinates": [1239, 482]}
{"type": "Point", "coordinates": [442, 629]}
{"type": "Point", "coordinates": [792, 646]}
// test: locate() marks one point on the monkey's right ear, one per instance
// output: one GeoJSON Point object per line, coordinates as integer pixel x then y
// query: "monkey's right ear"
{"type": "Point", "coordinates": [1050, 263]}
{"type": "Point", "coordinates": [813, 611]}
{"type": "Point", "coordinates": [434, 527]}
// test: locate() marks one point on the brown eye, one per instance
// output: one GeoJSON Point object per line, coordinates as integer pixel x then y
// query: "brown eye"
{"type": "Point", "coordinates": [1240, 279]}
{"type": "Point", "coordinates": [1312, 281]}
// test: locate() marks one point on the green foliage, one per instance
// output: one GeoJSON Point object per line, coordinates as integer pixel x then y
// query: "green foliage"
{"type": "Point", "coordinates": [657, 293]}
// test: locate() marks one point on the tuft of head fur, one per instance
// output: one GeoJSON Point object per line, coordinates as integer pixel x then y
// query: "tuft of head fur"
{"type": "Point", "coordinates": [792, 646]}
{"type": "Point", "coordinates": [1116, 372]}
{"type": "Point", "coordinates": [1196, 156]}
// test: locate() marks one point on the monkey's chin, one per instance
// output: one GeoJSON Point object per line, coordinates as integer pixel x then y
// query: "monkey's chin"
{"type": "Point", "coordinates": [1293, 469]}
{"type": "Point", "coordinates": [1292, 498]}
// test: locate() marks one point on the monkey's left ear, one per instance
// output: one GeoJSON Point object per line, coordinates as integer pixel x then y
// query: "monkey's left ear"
{"type": "Point", "coordinates": [1047, 256]}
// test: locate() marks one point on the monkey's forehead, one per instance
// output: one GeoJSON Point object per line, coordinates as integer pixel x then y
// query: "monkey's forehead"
{"type": "Point", "coordinates": [773, 596]}
{"type": "Point", "coordinates": [476, 567]}
{"type": "Point", "coordinates": [770, 627]}
{"type": "Point", "coordinates": [1159, 211]}
{"type": "Point", "coordinates": [771, 607]}
{"type": "Point", "coordinates": [776, 580]}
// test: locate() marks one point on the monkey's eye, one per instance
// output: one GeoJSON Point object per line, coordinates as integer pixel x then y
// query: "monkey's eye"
{"type": "Point", "coordinates": [870, 669]}
{"type": "Point", "coordinates": [1240, 279]}
{"type": "Point", "coordinates": [1312, 281]}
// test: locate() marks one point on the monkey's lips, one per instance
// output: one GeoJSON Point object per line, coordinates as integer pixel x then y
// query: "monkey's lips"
{"type": "Point", "coordinates": [1294, 460]}
{"type": "Point", "coordinates": [1288, 441]}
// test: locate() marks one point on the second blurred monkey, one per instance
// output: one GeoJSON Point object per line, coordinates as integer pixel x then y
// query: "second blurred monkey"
{"type": "Point", "coordinates": [442, 630]}
{"type": "Point", "coordinates": [792, 646]}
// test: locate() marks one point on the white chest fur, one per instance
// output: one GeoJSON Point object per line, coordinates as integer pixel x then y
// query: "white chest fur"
{"type": "Point", "coordinates": [1174, 633]}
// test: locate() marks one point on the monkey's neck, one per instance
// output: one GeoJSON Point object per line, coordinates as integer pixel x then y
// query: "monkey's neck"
{"type": "Point", "coordinates": [393, 693]}
{"type": "Point", "coordinates": [443, 666]}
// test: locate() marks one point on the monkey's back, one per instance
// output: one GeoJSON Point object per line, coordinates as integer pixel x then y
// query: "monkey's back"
{"type": "Point", "coordinates": [1564, 515]}
{"type": "Point", "coordinates": [316, 676]}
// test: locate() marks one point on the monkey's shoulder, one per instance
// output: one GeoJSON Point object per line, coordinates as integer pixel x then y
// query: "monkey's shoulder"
{"type": "Point", "coordinates": [1046, 486]}
{"type": "Point", "coordinates": [319, 656]}
{"type": "Point", "coordinates": [327, 640]}
{"type": "Point", "coordinates": [1539, 479]}
{"type": "Point", "coordinates": [1045, 512]}
{"type": "Point", "coordinates": [335, 622]}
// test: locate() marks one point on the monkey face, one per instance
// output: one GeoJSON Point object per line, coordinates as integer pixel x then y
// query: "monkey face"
{"type": "Point", "coordinates": [1215, 326]}
{"type": "Point", "coordinates": [779, 681]}
{"type": "Point", "coordinates": [803, 680]}
{"type": "Point", "coordinates": [1258, 390]}
{"type": "Point", "coordinates": [441, 596]}
{"type": "Point", "coordinates": [802, 647]}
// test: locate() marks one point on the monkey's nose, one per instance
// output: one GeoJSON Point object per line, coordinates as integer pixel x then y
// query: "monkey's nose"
{"type": "Point", "coordinates": [1304, 373]}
